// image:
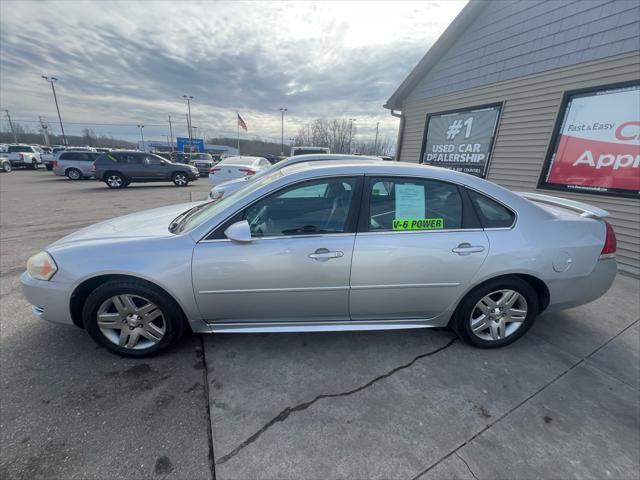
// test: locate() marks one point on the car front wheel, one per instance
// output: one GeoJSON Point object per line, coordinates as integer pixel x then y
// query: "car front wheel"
{"type": "Point", "coordinates": [180, 179]}
{"type": "Point", "coordinates": [496, 313]}
{"type": "Point", "coordinates": [6, 167]}
{"type": "Point", "coordinates": [115, 180]}
{"type": "Point", "coordinates": [132, 318]}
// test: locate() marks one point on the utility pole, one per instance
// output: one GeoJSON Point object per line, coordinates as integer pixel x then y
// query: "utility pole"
{"type": "Point", "coordinates": [15, 137]}
{"type": "Point", "coordinates": [168, 144]}
{"type": "Point", "coordinates": [351, 120]}
{"type": "Point", "coordinates": [53, 80]}
{"type": "Point", "coordinates": [375, 144]}
{"type": "Point", "coordinates": [282, 110]}
{"type": "Point", "coordinates": [142, 137]}
{"type": "Point", "coordinates": [171, 133]}
{"type": "Point", "coordinates": [188, 98]}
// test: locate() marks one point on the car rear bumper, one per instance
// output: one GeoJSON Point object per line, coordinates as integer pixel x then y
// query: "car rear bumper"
{"type": "Point", "coordinates": [49, 300]}
{"type": "Point", "coordinates": [573, 291]}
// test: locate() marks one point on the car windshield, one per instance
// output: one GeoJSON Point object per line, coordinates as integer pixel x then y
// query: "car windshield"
{"type": "Point", "coordinates": [204, 212]}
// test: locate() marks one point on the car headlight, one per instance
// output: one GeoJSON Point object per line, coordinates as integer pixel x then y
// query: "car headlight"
{"type": "Point", "coordinates": [41, 266]}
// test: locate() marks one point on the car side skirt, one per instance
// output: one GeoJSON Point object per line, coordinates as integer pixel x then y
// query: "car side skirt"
{"type": "Point", "coordinates": [335, 326]}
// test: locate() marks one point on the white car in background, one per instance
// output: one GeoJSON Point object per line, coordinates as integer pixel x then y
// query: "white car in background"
{"type": "Point", "coordinates": [226, 188]}
{"type": "Point", "coordinates": [232, 168]}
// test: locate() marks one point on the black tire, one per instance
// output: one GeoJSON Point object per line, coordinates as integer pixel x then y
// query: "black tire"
{"type": "Point", "coordinates": [180, 179]}
{"type": "Point", "coordinates": [48, 166]}
{"type": "Point", "coordinates": [461, 321]}
{"type": "Point", "coordinates": [34, 164]}
{"type": "Point", "coordinates": [174, 321]}
{"type": "Point", "coordinates": [74, 174]}
{"type": "Point", "coordinates": [115, 180]}
{"type": "Point", "coordinates": [6, 167]}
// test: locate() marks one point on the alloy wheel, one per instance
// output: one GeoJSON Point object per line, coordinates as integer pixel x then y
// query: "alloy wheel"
{"type": "Point", "coordinates": [179, 179]}
{"type": "Point", "coordinates": [131, 321]}
{"type": "Point", "coordinates": [74, 174]}
{"type": "Point", "coordinates": [498, 315]}
{"type": "Point", "coordinates": [114, 181]}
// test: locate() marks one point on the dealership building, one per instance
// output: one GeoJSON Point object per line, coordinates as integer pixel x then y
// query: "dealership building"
{"type": "Point", "coordinates": [536, 96]}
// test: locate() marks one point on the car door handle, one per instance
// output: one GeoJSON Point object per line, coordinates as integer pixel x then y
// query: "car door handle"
{"type": "Point", "coordinates": [323, 254]}
{"type": "Point", "coordinates": [467, 248]}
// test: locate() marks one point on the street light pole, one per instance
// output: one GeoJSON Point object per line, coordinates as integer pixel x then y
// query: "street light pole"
{"type": "Point", "coordinates": [171, 133]}
{"type": "Point", "coordinates": [142, 137]}
{"type": "Point", "coordinates": [282, 110]}
{"type": "Point", "coordinates": [53, 80]}
{"type": "Point", "coordinates": [375, 144]}
{"type": "Point", "coordinates": [188, 98]}
{"type": "Point", "coordinates": [351, 120]}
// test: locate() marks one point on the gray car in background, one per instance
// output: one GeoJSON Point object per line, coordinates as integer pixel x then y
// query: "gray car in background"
{"type": "Point", "coordinates": [329, 247]}
{"type": "Point", "coordinates": [75, 164]}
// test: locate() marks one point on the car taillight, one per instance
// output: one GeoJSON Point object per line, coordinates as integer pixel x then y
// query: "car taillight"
{"type": "Point", "coordinates": [214, 170]}
{"type": "Point", "coordinates": [248, 171]}
{"type": "Point", "coordinates": [54, 163]}
{"type": "Point", "coordinates": [21, 156]}
{"type": "Point", "coordinates": [610, 243]}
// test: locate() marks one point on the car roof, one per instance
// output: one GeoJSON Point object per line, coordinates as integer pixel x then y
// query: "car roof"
{"type": "Point", "coordinates": [249, 157]}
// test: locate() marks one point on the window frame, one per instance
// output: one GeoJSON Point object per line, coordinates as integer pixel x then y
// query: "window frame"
{"type": "Point", "coordinates": [469, 220]}
{"type": "Point", "coordinates": [351, 227]}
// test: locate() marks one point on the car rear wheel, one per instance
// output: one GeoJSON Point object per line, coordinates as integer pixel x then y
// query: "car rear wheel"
{"type": "Point", "coordinates": [180, 179]}
{"type": "Point", "coordinates": [132, 318]}
{"type": "Point", "coordinates": [34, 164]}
{"type": "Point", "coordinates": [497, 313]}
{"type": "Point", "coordinates": [6, 167]}
{"type": "Point", "coordinates": [74, 174]}
{"type": "Point", "coordinates": [115, 180]}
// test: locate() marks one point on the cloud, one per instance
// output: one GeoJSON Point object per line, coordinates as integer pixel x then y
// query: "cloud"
{"type": "Point", "coordinates": [131, 63]}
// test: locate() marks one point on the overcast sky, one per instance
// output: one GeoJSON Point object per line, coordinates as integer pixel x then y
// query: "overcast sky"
{"type": "Point", "coordinates": [130, 62]}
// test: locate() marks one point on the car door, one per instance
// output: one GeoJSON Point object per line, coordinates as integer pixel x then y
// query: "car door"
{"type": "Point", "coordinates": [156, 168]}
{"type": "Point", "coordinates": [418, 246]}
{"type": "Point", "coordinates": [296, 268]}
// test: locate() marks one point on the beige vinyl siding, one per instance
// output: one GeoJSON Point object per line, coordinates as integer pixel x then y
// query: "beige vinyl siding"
{"type": "Point", "coordinates": [530, 109]}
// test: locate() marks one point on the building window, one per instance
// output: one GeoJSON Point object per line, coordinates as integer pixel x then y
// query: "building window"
{"type": "Point", "coordinates": [461, 140]}
{"type": "Point", "coordinates": [596, 143]}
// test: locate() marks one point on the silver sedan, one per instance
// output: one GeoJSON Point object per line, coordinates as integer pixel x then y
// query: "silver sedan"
{"type": "Point", "coordinates": [326, 246]}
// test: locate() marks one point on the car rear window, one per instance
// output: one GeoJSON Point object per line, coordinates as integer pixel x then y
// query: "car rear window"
{"type": "Point", "coordinates": [19, 148]}
{"type": "Point", "coordinates": [237, 161]}
{"type": "Point", "coordinates": [492, 214]}
{"type": "Point", "coordinates": [413, 204]}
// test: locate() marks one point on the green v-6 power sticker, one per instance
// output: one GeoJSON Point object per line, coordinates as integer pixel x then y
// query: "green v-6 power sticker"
{"type": "Point", "coordinates": [418, 224]}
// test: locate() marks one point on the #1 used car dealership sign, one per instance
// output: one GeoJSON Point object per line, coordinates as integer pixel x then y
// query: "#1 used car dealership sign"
{"type": "Point", "coordinates": [461, 140]}
{"type": "Point", "coordinates": [596, 148]}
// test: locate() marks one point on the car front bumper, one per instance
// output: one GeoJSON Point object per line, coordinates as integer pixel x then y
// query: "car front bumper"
{"type": "Point", "coordinates": [49, 299]}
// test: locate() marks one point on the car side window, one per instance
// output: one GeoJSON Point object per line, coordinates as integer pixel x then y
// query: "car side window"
{"type": "Point", "coordinates": [315, 207]}
{"type": "Point", "coordinates": [399, 204]}
{"type": "Point", "coordinates": [492, 214]}
{"type": "Point", "coordinates": [153, 160]}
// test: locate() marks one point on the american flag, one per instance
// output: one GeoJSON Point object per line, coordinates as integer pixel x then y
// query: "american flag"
{"type": "Point", "coordinates": [241, 123]}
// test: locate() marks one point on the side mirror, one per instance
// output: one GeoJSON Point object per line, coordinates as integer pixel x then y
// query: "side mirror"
{"type": "Point", "coordinates": [239, 232]}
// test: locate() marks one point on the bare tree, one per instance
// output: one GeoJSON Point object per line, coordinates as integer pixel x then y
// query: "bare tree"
{"type": "Point", "coordinates": [333, 134]}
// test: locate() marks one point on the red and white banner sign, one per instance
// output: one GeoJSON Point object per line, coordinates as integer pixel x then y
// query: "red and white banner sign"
{"type": "Point", "coordinates": [598, 147]}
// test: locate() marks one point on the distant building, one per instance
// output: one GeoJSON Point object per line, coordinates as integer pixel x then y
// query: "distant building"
{"type": "Point", "coordinates": [164, 146]}
{"type": "Point", "coordinates": [539, 96]}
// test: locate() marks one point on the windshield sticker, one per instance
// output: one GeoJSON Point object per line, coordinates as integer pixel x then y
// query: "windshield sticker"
{"type": "Point", "coordinates": [418, 224]}
{"type": "Point", "coordinates": [410, 201]}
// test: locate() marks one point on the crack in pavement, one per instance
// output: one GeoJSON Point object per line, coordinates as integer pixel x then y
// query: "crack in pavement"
{"type": "Point", "coordinates": [284, 414]}
{"type": "Point", "coordinates": [468, 467]}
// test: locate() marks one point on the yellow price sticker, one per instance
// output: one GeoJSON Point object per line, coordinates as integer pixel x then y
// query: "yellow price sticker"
{"type": "Point", "coordinates": [418, 224]}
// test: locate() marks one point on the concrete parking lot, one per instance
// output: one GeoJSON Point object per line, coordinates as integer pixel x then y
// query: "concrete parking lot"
{"type": "Point", "coordinates": [563, 402]}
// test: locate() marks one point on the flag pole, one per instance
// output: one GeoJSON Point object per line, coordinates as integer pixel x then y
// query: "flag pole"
{"type": "Point", "coordinates": [238, 127]}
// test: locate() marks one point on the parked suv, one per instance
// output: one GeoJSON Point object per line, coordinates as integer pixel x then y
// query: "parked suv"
{"type": "Point", "coordinates": [75, 164]}
{"type": "Point", "coordinates": [119, 169]}
{"type": "Point", "coordinates": [203, 162]}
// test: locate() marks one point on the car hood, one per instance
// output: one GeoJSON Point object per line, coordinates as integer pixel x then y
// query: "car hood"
{"type": "Point", "coordinates": [145, 224]}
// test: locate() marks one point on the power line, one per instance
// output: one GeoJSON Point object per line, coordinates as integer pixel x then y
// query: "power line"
{"type": "Point", "coordinates": [98, 124]}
